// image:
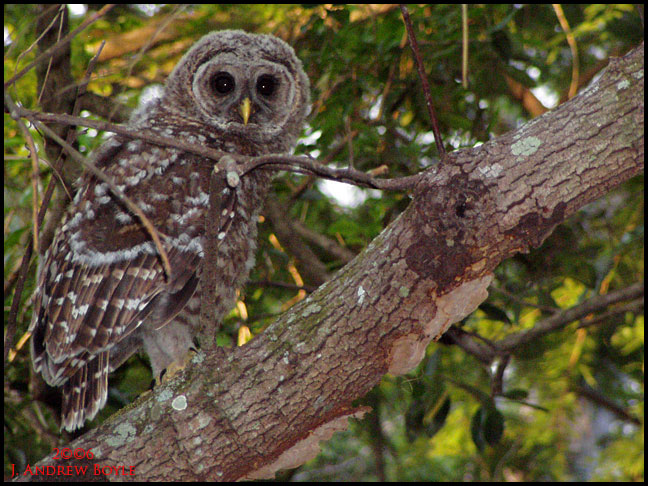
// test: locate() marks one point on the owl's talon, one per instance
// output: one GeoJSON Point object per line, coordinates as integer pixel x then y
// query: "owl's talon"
{"type": "Point", "coordinates": [175, 366]}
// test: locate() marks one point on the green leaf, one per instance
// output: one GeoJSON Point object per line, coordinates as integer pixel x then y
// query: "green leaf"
{"type": "Point", "coordinates": [487, 427]}
{"type": "Point", "coordinates": [439, 418]}
{"type": "Point", "coordinates": [493, 426]}
{"type": "Point", "coordinates": [516, 394]}
{"type": "Point", "coordinates": [495, 313]}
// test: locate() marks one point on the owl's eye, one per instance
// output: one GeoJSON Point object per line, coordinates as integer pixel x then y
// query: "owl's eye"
{"type": "Point", "coordinates": [266, 84]}
{"type": "Point", "coordinates": [223, 83]}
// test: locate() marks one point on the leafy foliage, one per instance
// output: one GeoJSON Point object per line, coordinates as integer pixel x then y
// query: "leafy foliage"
{"type": "Point", "coordinates": [447, 420]}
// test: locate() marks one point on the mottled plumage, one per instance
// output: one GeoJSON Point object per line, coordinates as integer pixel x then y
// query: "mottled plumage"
{"type": "Point", "coordinates": [102, 293]}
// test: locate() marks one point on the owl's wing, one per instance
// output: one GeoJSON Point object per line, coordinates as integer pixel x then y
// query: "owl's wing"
{"type": "Point", "coordinates": [92, 311]}
{"type": "Point", "coordinates": [82, 310]}
{"type": "Point", "coordinates": [102, 277]}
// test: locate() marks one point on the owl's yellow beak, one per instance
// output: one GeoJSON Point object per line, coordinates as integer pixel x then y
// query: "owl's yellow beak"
{"type": "Point", "coordinates": [245, 110]}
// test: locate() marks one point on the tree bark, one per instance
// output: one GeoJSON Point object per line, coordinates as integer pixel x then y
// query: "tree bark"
{"type": "Point", "coordinates": [246, 412]}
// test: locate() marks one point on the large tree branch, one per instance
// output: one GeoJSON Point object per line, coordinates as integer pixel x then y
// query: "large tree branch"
{"type": "Point", "coordinates": [251, 410]}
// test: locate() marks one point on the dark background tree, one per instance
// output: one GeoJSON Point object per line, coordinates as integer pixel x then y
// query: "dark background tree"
{"type": "Point", "coordinates": [544, 381]}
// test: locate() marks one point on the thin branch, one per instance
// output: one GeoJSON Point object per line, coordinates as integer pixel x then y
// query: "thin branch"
{"type": "Point", "coordinates": [223, 195]}
{"type": "Point", "coordinates": [311, 166]}
{"type": "Point", "coordinates": [47, 233]}
{"type": "Point", "coordinates": [469, 343]}
{"type": "Point", "coordinates": [120, 130]}
{"type": "Point", "coordinates": [33, 243]}
{"type": "Point", "coordinates": [134, 208]}
{"type": "Point", "coordinates": [106, 107]}
{"type": "Point", "coordinates": [83, 86]}
{"type": "Point", "coordinates": [299, 164]}
{"type": "Point", "coordinates": [559, 320]}
{"type": "Point", "coordinates": [515, 298]}
{"type": "Point", "coordinates": [488, 351]}
{"type": "Point", "coordinates": [33, 154]}
{"type": "Point", "coordinates": [62, 23]}
{"type": "Point", "coordinates": [281, 285]}
{"type": "Point", "coordinates": [599, 398]}
{"type": "Point", "coordinates": [464, 45]}
{"type": "Point", "coordinates": [426, 86]}
{"type": "Point", "coordinates": [10, 330]}
{"type": "Point", "coordinates": [28, 26]}
{"type": "Point", "coordinates": [571, 40]}
{"type": "Point", "coordinates": [333, 152]}
{"type": "Point", "coordinates": [497, 379]}
{"type": "Point", "coordinates": [634, 306]}
{"type": "Point", "coordinates": [59, 45]}
{"type": "Point", "coordinates": [385, 91]}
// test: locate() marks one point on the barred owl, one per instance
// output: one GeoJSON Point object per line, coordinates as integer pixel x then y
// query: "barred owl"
{"type": "Point", "coordinates": [102, 292]}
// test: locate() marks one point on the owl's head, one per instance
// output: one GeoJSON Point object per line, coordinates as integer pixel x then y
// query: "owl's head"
{"type": "Point", "coordinates": [248, 85]}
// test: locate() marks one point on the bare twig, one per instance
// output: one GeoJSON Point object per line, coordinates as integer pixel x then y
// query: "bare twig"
{"type": "Point", "coordinates": [310, 166]}
{"type": "Point", "coordinates": [424, 82]}
{"type": "Point", "coordinates": [486, 351]}
{"type": "Point", "coordinates": [281, 285]}
{"type": "Point", "coordinates": [515, 298]}
{"type": "Point", "coordinates": [497, 379]}
{"type": "Point", "coordinates": [571, 40]}
{"type": "Point", "coordinates": [71, 135]}
{"type": "Point", "coordinates": [635, 306]}
{"type": "Point", "coordinates": [600, 399]}
{"type": "Point", "coordinates": [83, 86]}
{"type": "Point", "coordinates": [10, 330]}
{"type": "Point", "coordinates": [48, 233]}
{"type": "Point", "coordinates": [145, 47]}
{"type": "Point", "coordinates": [33, 154]}
{"type": "Point", "coordinates": [385, 91]}
{"type": "Point", "coordinates": [121, 130]}
{"type": "Point", "coordinates": [561, 319]}
{"type": "Point", "coordinates": [278, 162]}
{"type": "Point", "coordinates": [333, 152]}
{"type": "Point", "coordinates": [464, 45]}
{"type": "Point", "coordinates": [24, 266]}
{"type": "Point", "coordinates": [132, 206]}
{"type": "Point", "coordinates": [21, 33]}
{"type": "Point", "coordinates": [223, 190]}
{"type": "Point", "coordinates": [59, 45]}
{"type": "Point", "coordinates": [62, 24]}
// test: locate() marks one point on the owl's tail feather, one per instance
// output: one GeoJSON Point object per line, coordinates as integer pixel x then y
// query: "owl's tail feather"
{"type": "Point", "coordinates": [85, 393]}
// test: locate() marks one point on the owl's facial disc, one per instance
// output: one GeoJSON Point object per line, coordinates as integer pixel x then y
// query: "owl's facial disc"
{"type": "Point", "coordinates": [238, 95]}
